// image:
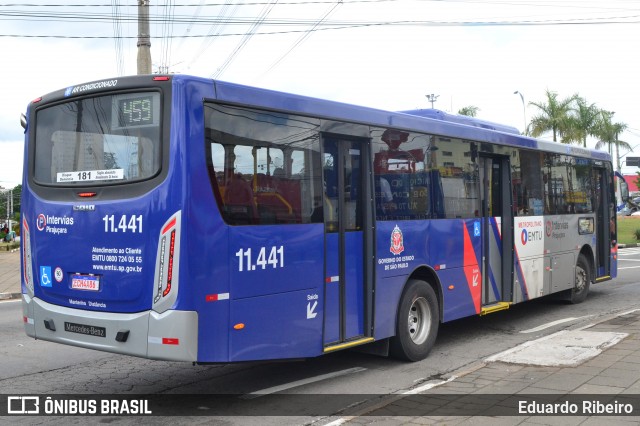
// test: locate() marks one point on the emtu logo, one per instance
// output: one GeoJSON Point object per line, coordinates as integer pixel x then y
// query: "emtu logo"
{"type": "Point", "coordinates": [529, 236]}
{"type": "Point", "coordinates": [41, 222]}
{"type": "Point", "coordinates": [68, 91]}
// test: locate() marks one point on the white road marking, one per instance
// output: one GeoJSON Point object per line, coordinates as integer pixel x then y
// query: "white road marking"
{"type": "Point", "coordinates": [551, 324]}
{"type": "Point", "coordinates": [428, 386]}
{"type": "Point", "coordinates": [280, 388]}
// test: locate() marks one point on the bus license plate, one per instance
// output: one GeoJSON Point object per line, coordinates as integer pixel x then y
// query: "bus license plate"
{"type": "Point", "coordinates": [85, 282]}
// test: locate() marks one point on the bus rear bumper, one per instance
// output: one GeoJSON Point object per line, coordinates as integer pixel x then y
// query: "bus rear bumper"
{"type": "Point", "coordinates": [172, 335]}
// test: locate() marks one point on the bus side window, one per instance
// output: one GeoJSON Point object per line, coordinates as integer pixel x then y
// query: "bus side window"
{"type": "Point", "coordinates": [239, 201]}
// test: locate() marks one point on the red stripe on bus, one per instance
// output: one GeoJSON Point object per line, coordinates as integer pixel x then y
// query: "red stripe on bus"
{"type": "Point", "coordinates": [169, 226]}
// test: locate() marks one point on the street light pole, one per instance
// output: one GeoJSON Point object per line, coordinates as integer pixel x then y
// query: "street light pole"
{"type": "Point", "coordinates": [524, 112]}
{"type": "Point", "coordinates": [432, 98]}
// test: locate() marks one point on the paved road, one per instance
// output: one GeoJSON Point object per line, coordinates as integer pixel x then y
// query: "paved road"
{"type": "Point", "coordinates": [458, 365]}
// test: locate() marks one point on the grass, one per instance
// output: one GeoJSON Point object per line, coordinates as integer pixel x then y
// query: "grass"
{"type": "Point", "coordinates": [627, 227]}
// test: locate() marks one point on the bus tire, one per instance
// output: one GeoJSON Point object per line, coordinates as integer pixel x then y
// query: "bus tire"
{"type": "Point", "coordinates": [417, 323]}
{"type": "Point", "coordinates": [582, 281]}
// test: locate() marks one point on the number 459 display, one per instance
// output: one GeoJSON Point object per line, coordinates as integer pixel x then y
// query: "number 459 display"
{"type": "Point", "coordinates": [246, 262]}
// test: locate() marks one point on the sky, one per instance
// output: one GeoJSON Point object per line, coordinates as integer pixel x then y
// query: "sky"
{"type": "Point", "coordinates": [387, 54]}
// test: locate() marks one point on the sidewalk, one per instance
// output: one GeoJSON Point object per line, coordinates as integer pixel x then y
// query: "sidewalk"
{"type": "Point", "coordinates": [490, 392]}
{"type": "Point", "coordinates": [10, 275]}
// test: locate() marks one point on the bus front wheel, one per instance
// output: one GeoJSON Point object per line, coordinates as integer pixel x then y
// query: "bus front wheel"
{"type": "Point", "coordinates": [417, 322]}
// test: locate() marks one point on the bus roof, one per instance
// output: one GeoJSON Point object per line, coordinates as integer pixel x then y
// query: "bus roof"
{"type": "Point", "coordinates": [428, 121]}
{"type": "Point", "coordinates": [425, 120]}
{"type": "Point", "coordinates": [462, 119]}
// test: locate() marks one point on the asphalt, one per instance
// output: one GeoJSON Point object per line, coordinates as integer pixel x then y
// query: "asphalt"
{"type": "Point", "coordinates": [587, 369]}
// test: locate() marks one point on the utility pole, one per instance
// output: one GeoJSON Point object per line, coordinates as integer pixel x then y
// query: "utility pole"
{"type": "Point", "coordinates": [144, 38]}
{"type": "Point", "coordinates": [432, 98]}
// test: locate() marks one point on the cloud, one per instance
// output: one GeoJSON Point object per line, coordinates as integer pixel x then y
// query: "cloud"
{"type": "Point", "coordinates": [388, 66]}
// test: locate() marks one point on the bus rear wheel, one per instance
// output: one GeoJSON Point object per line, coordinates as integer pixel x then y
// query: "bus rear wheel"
{"type": "Point", "coordinates": [582, 281]}
{"type": "Point", "coordinates": [417, 323]}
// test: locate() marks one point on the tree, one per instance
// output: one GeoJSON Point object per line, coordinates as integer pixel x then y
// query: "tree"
{"type": "Point", "coordinates": [583, 122]}
{"type": "Point", "coordinates": [554, 116]}
{"type": "Point", "coordinates": [17, 193]}
{"type": "Point", "coordinates": [608, 133]}
{"type": "Point", "coordinates": [469, 111]}
{"type": "Point", "coordinates": [5, 195]}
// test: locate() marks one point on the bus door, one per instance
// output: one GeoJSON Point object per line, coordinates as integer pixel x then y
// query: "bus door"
{"type": "Point", "coordinates": [605, 225]}
{"type": "Point", "coordinates": [497, 233]}
{"type": "Point", "coordinates": [348, 276]}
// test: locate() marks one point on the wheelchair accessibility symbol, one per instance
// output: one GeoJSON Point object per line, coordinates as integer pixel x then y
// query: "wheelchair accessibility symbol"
{"type": "Point", "coordinates": [45, 276]}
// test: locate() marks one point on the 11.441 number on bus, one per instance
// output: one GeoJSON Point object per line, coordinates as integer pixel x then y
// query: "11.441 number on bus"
{"type": "Point", "coordinates": [246, 262]}
{"type": "Point", "coordinates": [125, 223]}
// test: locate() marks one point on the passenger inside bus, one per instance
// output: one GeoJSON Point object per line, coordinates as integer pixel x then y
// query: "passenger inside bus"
{"type": "Point", "coordinates": [238, 199]}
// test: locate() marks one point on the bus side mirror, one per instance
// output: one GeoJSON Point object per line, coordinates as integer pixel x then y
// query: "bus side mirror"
{"type": "Point", "coordinates": [624, 191]}
{"type": "Point", "coordinates": [23, 121]}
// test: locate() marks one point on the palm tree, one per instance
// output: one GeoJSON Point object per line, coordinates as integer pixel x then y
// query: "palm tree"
{"type": "Point", "coordinates": [608, 132]}
{"type": "Point", "coordinates": [469, 111]}
{"type": "Point", "coordinates": [554, 116]}
{"type": "Point", "coordinates": [583, 122]}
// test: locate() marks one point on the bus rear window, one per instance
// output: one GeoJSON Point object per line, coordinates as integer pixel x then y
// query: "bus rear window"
{"type": "Point", "coordinates": [99, 141]}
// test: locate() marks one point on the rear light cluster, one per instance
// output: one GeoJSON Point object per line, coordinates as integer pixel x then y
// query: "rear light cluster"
{"type": "Point", "coordinates": [169, 268]}
{"type": "Point", "coordinates": [167, 265]}
{"type": "Point", "coordinates": [172, 246]}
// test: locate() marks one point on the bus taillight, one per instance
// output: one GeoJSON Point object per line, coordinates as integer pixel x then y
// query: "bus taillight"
{"type": "Point", "coordinates": [172, 246]}
{"type": "Point", "coordinates": [167, 265]}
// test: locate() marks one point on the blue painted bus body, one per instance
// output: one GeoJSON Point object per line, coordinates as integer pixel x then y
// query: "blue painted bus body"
{"type": "Point", "coordinates": [250, 307]}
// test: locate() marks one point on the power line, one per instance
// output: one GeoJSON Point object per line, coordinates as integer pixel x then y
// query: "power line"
{"type": "Point", "coordinates": [582, 4]}
{"type": "Point", "coordinates": [336, 26]}
{"type": "Point", "coordinates": [216, 29]}
{"type": "Point", "coordinates": [245, 39]}
{"type": "Point", "coordinates": [304, 36]}
{"type": "Point", "coordinates": [117, 36]}
{"type": "Point", "coordinates": [201, 4]}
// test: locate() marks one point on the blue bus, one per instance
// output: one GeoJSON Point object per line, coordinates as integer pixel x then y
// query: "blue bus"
{"type": "Point", "coordinates": [179, 218]}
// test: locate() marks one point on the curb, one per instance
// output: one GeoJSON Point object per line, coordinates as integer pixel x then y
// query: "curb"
{"type": "Point", "coordinates": [464, 370]}
{"type": "Point", "coordinates": [628, 245]}
{"type": "Point", "coordinates": [9, 296]}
